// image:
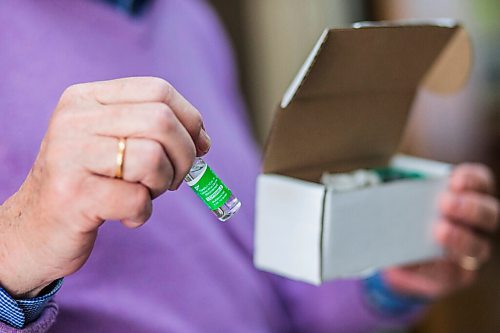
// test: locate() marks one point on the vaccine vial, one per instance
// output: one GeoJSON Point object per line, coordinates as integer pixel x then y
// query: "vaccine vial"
{"type": "Point", "coordinates": [212, 191]}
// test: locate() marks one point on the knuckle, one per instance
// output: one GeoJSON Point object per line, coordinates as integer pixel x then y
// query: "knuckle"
{"type": "Point", "coordinates": [192, 155]}
{"type": "Point", "coordinates": [153, 154]}
{"type": "Point", "coordinates": [161, 90]}
{"type": "Point", "coordinates": [182, 166]}
{"type": "Point", "coordinates": [72, 92]}
{"type": "Point", "coordinates": [197, 122]}
{"type": "Point", "coordinates": [164, 176]}
{"type": "Point", "coordinates": [62, 190]}
{"type": "Point", "coordinates": [59, 186]}
{"type": "Point", "coordinates": [60, 121]}
{"type": "Point", "coordinates": [188, 161]}
{"type": "Point", "coordinates": [67, 125]}
{"type": "Point", "coordinates": [164, 119]}
{"type": "Point", "coordinates": [167, 91]}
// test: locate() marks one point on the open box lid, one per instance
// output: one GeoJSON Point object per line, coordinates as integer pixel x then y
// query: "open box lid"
{"type": "Point", "coordinates": [349, 103]}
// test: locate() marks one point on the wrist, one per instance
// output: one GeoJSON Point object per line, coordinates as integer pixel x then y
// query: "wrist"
{"type": "Point", "coordinates": [13, 279]}
{"type": "Point", "coordinates": [20, 285]}
{"type": "Point", "coordinates": [386, 300]}
{"type": "Point", "coordinates": [24, 293]}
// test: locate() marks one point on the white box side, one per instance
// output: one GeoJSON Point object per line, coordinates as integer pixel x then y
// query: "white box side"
{"type": "Point", "coordinates": [288, 227]}
{"type": "Point", "coordinates": [381, 226]}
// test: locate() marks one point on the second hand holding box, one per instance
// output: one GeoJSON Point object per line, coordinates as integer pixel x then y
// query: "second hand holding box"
{"type": "Point", "coordinates": [345, 110]}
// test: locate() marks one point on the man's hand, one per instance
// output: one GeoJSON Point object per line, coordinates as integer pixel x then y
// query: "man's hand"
{"type": "Point", "coordinates": [49, 226]}
{"type": "Point", "coordinates": [469, 213]}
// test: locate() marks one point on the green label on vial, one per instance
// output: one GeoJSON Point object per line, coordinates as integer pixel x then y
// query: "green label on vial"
{"type": "Point", "coordinates": [211, 189]}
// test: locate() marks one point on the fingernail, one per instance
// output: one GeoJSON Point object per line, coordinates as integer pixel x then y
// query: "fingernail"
{"type": "Point", "coordinates": [204, 142]}
{"type": "Point", "coordinates": [176, 184]}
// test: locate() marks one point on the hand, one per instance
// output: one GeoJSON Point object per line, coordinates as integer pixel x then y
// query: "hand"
{"type": "Point", "coordinates": [469, 212]}
{"type": "Point", "coordinates": [49, 226]}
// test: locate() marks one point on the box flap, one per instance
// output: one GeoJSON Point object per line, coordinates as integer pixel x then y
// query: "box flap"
{"type": "Point", "coordinates": [349, 103]}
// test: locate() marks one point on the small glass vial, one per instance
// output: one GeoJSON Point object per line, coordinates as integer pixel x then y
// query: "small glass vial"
{"type": "Point", "coordinates": [212, 191]}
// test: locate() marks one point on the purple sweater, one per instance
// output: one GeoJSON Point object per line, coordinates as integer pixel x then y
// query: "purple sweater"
{"type": "Point", "coordinates": [183, 271]}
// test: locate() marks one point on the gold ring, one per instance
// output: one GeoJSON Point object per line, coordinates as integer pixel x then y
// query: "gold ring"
{"type": "Point", "coordinates": [469, 263]}
{"type": "Point", "coordinates": [120, 156]}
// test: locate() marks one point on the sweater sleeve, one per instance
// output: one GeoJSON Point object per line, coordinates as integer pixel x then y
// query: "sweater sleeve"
{"type": "Point", "coordinates": [340, 306]}
{"type": "Point", "coordinates": [41, 325]}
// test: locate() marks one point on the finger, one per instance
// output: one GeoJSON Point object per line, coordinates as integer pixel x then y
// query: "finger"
{"type": "Point", "coordinates": [144, 162]}
{"type": "Point", "coordinates": [472, 209]}
{"type": "Point", "coordinates": [114, 199]}
{"type": "Point", "coordinates": [415, 280]}
{"type": "Point", "coordinates": [152, 89]}
{"type": "Point", "coordinates": [430, 280]}
{"type": "Point", "coordinates": [460, 242]}
{"type": "Point", "coordinates": [472, 177]}
{"type": "Point", "coordinates": [154, 121]}
{"type": "Point", "coordinates": [147, 163]}
{"type": "Point", "coordinates": [408, 281]}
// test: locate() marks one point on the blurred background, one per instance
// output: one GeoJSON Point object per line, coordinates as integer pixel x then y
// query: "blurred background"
{"type": "Point", "coordinates": [272, 39]}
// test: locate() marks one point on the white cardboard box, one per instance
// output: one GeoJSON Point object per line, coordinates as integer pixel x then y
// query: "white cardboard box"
{"type": "Point", "coordinates": [345, 110]}
{"type": "Point", "coordinates": [308, 233]}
